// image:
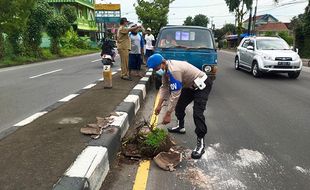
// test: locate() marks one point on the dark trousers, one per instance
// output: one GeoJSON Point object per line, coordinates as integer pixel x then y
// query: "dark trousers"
{"type": "Point", "coordinates": [200, 98]}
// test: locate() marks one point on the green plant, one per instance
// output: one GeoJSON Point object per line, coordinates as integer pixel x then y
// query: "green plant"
{"type": "Point", "coordinates": [156, 138]}
{"type": "Point", "coordinates": [56, 28]}
{"type": "Point", "coordinates": [70, 13]}
{"type": "Point", "coordinates": [40, 14]}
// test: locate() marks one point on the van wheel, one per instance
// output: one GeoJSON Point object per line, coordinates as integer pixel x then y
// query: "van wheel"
{"type": "Point", "coordinates": [237, 67]}
{"type": "Point", "coordinates": [255, 70]}
{"type": "Point", "coordinates": [293, 75]}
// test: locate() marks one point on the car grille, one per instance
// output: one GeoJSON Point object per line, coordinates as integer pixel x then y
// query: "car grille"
{"type": "Point", "coordinates": [283, 67]}
{"type": "Point", "coordinates": [284, 59]}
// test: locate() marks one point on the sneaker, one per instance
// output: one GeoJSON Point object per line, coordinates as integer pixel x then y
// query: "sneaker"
{"type": "Point", "coordinates": [199, 150]}
{"type": "Point", "coordinates": [178, 129]}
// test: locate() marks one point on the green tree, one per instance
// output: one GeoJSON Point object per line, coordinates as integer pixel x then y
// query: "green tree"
{"type": "Point", "coordinates": [229, 28]}
{"type": "Point", "coordinates": [153, 14]}
{"type": "Point", "coordinates": [70, 13]}
{"type": "Point", "coordinates": [57, 26]}
{"type": "Point", "coordinates": [38, 19]}
{"type": "Point", "coordinates": [198, 20]}
{"type": "Point", "coordinates": [13, 18]}
{"type": "Point", "coordinates": [240, 7]}
{"type": "Point", "coordinates": [188, 21]}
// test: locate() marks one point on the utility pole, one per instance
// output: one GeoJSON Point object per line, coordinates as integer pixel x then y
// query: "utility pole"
{"type": "Point", "coordinates": [254, 18]}
{"type": "Point", "coordinates": [250, 22]}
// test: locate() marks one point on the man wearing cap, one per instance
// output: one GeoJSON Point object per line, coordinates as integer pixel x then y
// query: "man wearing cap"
{"type": "Point", "coordinates": [149, 39]}
{"type": "Point", "coordinates": [124, 46]}
{"type": "Point", "coordinates": [183, 83]}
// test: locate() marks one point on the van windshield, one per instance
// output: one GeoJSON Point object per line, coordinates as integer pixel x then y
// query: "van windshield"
{"type": "Point", "coordinates": [185, 38]}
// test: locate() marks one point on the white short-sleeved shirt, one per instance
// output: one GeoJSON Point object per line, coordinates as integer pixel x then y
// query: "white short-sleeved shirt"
{"type": "Point", "coordinates": [149, 38]}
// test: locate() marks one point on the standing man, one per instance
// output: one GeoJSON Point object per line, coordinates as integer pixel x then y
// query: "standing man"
{"type": "Point", "coordinates": [124, 46]}
{"type": "Point", "coordinates": [136, 52]}
{"type": "Point", "coordinates": [183, 83]}
{"type": "Point", "coordinates": [149, 40]}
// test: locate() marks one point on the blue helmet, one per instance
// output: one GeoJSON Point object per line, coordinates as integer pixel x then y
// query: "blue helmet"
{"type": "Point", "coordinates": [154, 61]}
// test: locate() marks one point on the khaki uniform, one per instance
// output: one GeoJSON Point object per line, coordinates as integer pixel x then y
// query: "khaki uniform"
{"type": "Point", "coordinates": [178, 89]}
{"type": "Point", "coordinates": [123, 47]}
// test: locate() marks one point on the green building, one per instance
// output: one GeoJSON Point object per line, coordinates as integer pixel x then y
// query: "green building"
{"type": "Point", "coordinates": [85, 24]}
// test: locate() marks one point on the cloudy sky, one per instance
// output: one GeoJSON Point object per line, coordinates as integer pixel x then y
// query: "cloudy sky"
{"type": "Point", "coordinates": [216, 10]}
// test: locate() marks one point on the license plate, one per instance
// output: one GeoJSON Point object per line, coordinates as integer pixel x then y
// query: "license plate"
{"type": "Point", "coordinates": [284, 63]}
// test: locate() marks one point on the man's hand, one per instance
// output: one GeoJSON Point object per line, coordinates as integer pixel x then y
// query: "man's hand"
{"type": "Point", "coordinates": [158, 109]}
{"type": "Point", "coordinates": [167, 118]}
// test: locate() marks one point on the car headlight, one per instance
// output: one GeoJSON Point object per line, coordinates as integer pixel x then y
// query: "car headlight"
{"type": "Point", "coordinates": [208, 69]}
{"type": "Point", "coordinates": [267, 57]}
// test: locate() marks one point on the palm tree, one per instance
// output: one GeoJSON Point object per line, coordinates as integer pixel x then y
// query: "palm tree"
{"type": "Point", "coordinates": [240, 7]}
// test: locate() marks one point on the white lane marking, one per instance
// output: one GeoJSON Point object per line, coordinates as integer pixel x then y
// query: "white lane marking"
{"type": "Point", "coordinates": [50, 72]}
{"type": "Point", "coordinates": [30, 119]}
{"type": "Point", "coordinates": [302, 170]}
{"type": "Point", "coordinates": [95, 60]}
{"type": "Point", "coordinates": [66, 99]}
{"type": "Point", "coordinates": [89, 86]}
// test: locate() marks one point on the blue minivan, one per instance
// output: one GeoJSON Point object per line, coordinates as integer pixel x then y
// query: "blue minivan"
{"type": "Point", "coordinates": [193, 44]}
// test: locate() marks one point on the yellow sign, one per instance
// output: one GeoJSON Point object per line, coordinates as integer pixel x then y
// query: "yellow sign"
{"type": "Point", "coordinates": [107, 7]}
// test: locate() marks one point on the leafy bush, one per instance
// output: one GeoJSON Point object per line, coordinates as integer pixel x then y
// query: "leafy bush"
{"type": "Point", "coordinates": [285, 36]}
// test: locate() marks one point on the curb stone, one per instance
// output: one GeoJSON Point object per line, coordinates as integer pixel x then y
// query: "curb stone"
{"type": "Point", "coordinates": [91, 167]}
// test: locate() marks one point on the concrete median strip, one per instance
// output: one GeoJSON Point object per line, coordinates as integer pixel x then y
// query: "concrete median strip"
{"type": "Point", "coordinates": [92, 165]}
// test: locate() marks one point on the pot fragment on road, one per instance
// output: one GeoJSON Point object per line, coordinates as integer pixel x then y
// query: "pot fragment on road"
{"type": "Point", "coordinates": [95, 129]}
{"type": "Point", "coordinates": [168, 160]}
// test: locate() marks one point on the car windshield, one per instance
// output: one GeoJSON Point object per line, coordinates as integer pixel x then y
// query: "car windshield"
{"type": "Point", "coordinates": [271, 44]}
{"type": "Point", "coordinates": [185, 38]}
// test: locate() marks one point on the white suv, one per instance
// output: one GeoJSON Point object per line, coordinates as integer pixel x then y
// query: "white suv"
{"type": "Point", "coordinates": [267, 55]}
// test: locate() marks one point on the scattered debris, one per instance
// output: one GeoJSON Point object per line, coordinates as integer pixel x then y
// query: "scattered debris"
{"type": "Point", "coordinates": [96, 129]}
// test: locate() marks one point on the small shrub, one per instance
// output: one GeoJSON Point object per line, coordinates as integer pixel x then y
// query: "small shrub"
{"type": "Point", "coordinates": [156, 138]}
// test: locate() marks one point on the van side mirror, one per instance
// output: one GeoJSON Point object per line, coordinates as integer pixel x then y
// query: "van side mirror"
{"type": "Point", "coordinates": [250, 48]}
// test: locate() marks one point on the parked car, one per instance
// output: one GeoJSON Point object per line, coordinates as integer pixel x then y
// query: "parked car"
{"type": "Point", "coordinates": [260, 55]}
{"type": "Point", "coordinates": [193, 44]}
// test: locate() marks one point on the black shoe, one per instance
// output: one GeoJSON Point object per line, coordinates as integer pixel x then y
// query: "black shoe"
{"type": "Point", "coordinates": [199, 150]}
{"type": "Point", "coordinates": [126, 78]}
{"type": "Point", "coordinates": [178, 129]}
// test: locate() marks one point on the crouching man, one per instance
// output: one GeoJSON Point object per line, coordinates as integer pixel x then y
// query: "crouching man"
{"type": "Point", "coordinates": [183, 83]}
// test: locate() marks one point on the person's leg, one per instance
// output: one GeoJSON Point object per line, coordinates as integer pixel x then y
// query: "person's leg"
{"type": "Point", "coordinates": [200, 103]}
{"type": "Point", "coordinates": [186, 98]}
{"type": "Point", "coordinates": [122, 55]}
{"type": "Point", "coordinates": [139, 63]}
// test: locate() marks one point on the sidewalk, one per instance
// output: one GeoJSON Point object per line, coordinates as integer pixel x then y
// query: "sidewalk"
{"type": "Point", "coordinates": [37, 155]}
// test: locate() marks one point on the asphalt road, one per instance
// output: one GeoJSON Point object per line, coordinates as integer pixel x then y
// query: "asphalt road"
{"type": "Point", "coordinates": [258, 137]}
{"type": "Point", "coordinates": [26, 90]}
